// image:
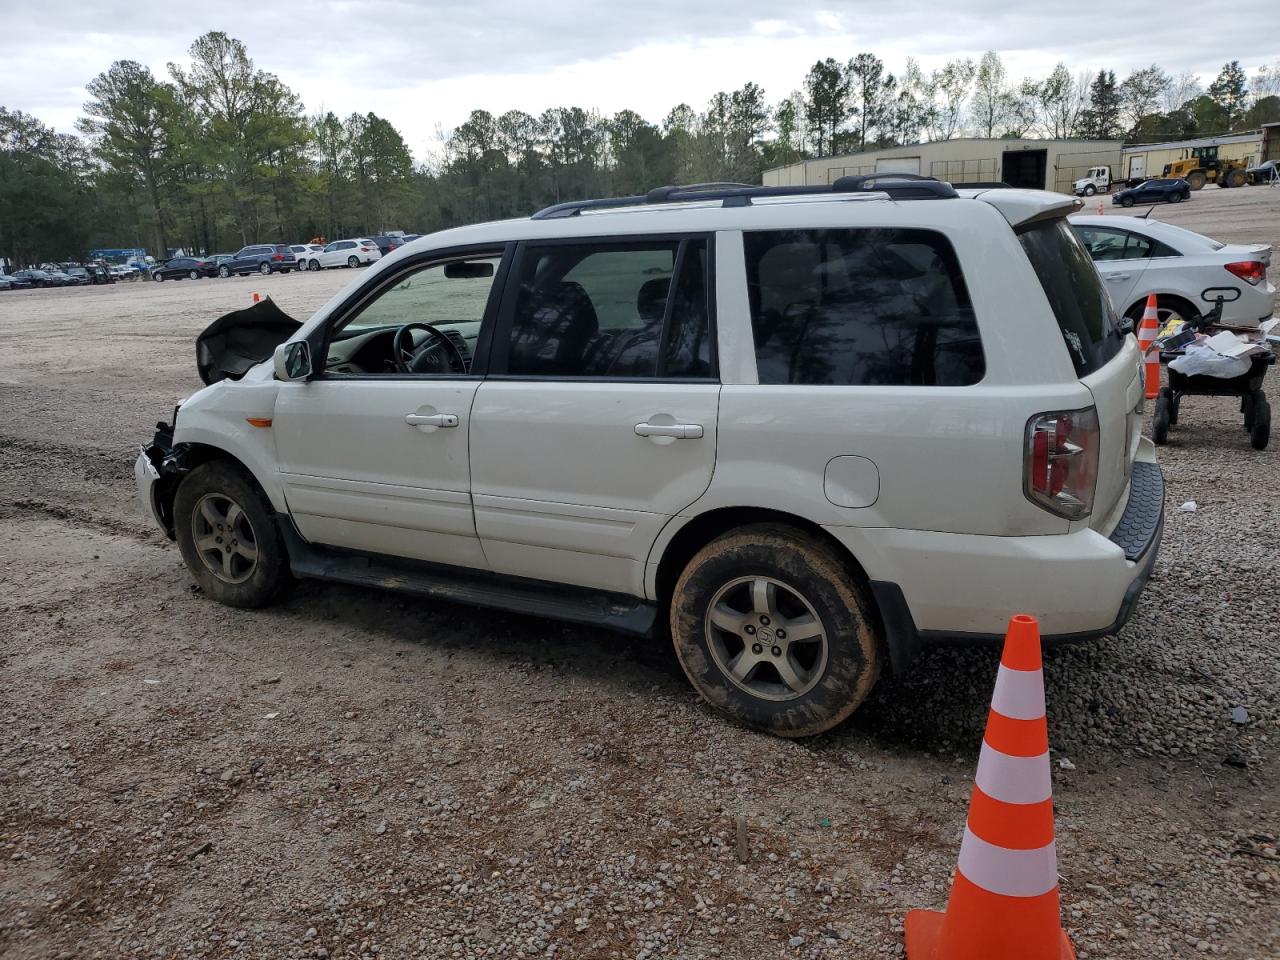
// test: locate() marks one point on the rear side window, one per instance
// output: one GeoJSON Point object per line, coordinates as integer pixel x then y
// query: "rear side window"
{"type": "Point", "coordinates": [858, 307]}
{"type": "Point", "coordinates": [1075, 293]}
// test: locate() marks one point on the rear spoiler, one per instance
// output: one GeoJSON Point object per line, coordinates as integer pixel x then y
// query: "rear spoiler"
{"type": "Point", "coordinates": [1021, 207]}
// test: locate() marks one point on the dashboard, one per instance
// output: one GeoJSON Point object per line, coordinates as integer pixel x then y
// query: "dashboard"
{"type": "Point", "coordinates": [367, 351]}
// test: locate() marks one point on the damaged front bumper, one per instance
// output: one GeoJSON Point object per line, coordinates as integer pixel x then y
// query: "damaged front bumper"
{"type": "Point", "coordinates": [159, 467]}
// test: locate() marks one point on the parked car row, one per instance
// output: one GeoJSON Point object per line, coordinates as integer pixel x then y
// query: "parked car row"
{"type": "Point", "coordinates": [260, 258]}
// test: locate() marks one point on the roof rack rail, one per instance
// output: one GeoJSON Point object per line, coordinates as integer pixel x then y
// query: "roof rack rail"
{"type": "Point", "coordinates": [899, 186]}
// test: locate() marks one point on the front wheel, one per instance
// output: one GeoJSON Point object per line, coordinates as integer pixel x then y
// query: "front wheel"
{"type": "Point", "coordinates": [265, 269]}
{"type": "Point", "coordinates": [1090, 190]}
{"type": "Point", "coordinates": [353, 262]}
{"type": "Point", "coordinates": [313, 265]}
{"type": "Point", "coordinates": [158, 277]}
{"type": "Point", "coordinates": [224, 272]}
{"type": "Point", "coordinates": [771, 629]}
{"type": "Point", "coordinates": [1126, 201]}
{"type": "Point", "coordinates": [228, 538]}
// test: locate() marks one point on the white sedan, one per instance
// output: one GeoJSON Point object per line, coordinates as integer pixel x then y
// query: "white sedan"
{"type": "Point", "coordinates": [344, 253]}
{"type": "Point", "coordinates": [1185, 270]}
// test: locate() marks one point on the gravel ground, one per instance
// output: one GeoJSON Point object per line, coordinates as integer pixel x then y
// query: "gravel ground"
{"type": "Point", "coordinates": [358, 774]}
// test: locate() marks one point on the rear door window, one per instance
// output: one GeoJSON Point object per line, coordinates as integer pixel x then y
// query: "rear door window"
{"type": "Point", "coordinates": [1075, 293]}
{"type": "Point", "coordinates": [624, 309]}
{"type": "Point", "coordinates": [858, 307]}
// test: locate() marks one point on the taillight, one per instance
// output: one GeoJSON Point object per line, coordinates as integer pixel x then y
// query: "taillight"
{"type": "Point", "coordinates": [1250, 271]}
{"type": "Point", "coordinates": [1060, 462]}
{"type": "Point", "coordinates": [277, 256]}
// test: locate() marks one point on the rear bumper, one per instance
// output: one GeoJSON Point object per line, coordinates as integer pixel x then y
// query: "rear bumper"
{"type": "Point", "coordinates": [961, 589]}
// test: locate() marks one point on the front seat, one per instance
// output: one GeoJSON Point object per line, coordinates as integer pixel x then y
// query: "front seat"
{"type": "Point", "coordinates": [551, 336]}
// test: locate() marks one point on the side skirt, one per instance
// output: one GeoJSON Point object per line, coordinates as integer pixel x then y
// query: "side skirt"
{"type": "Point", "coordinates": [613, 611]}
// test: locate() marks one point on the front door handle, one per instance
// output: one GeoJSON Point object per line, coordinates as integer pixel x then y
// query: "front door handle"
{"type": "Point", "coordinates": [1116, 277]}
{"type": "Point", "coordinates": [431, 420]}
{"type": "Point", "coordinates": [680, 431]}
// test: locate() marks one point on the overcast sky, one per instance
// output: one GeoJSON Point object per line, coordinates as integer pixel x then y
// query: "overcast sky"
{"type": "Point", "coordinates": [426, 65]}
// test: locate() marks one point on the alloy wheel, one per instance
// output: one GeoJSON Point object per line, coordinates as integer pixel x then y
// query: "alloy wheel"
{"type": "Point", "coordinates": [224, 538]}
{"type": "Point", "coordinates": [766, 638]}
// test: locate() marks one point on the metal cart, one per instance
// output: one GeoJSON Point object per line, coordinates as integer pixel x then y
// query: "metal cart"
{"type": "Point", "coordinates": [1247, 386]}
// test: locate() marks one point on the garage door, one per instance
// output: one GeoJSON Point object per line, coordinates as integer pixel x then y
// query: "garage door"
{"type": "Point", "coordinates": [899, 165]}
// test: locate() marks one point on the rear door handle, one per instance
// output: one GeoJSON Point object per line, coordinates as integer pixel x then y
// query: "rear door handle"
{"type": "Point", "coordinates": [680, 431]}
{"type": "Point", "coordinates": [431, 420]}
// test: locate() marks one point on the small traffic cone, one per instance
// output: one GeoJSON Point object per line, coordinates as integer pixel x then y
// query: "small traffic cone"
{"type": "Point", "coordinates": [256, 298]}
{"type": "Point", "coordinates": [1004, 899]}
{"type": "Point", "coordinates": [1100, 208]}
{"type": "Point", "coordinates": [1147, 332]}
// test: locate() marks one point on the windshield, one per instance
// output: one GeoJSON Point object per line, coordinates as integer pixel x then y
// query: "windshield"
{"type": "Point", "coordinates": [1075, 292]}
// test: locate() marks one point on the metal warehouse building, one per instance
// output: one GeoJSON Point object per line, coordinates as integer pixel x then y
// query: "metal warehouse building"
{"type": "Point", "coordinates": [1149, 159]}
{"type": "Point", "coordinates": [1040, 164]}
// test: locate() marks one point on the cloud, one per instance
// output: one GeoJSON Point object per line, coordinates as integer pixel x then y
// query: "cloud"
{"type": "Point", "coordinates": [424, 65]}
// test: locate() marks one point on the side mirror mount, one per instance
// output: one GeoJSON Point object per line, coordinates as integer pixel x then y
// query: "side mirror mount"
{"type": "Point", "coordinates": [292, 360]}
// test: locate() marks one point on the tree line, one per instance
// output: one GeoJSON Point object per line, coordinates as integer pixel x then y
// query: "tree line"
{"type": "Point", "coordinates": [222, 153]}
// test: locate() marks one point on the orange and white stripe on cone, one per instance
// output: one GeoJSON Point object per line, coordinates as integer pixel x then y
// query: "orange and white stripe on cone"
{"type": "Point", "coordinates": [1004, 900]}
{"type": "Point", "coordinates": [1147, 332]}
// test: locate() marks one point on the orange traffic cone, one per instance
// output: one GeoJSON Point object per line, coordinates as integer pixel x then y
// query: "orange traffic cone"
{"type": "Point", "coordinates": [1004, 900]}
{"type": "Point", "coordinates": [1100, 208]}
{"type": "Point", "coordinates": [256, 298]}
{"type": "Point", "coordinates": [1147, 332]}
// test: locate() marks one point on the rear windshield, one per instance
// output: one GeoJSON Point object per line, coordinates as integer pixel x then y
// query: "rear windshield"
{"type": "Point", "coordinates": [1074, 291]}
{"type": "Point", "coordinates": [1195, 240]}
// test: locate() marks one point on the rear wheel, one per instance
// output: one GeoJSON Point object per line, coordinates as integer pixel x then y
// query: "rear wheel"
{"type": "Point", "coordinates": [1234, 178]}
{"type": "Point", "coordinates": [1260, 434]}
{"type": "Point", "coordinates": [772, 630]}
{"type": "Point", "coordinates": [1175, 198]}
{"type": "Point", "coordinates": [228, 537]}
{"type": "Point", "coordinates": [194, 274]}
{"type": "Point", "coordinates": [353, 262]}
{"type": "Point", "coordinates": [1160, 422]}
{"type": "Point", "coordinates": [265, 269]}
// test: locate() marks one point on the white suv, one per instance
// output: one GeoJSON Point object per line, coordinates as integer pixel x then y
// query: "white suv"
{"type": "Point", "coordinates": [806, 429]}
{"type": "Point", "coordinates": [343, 253]}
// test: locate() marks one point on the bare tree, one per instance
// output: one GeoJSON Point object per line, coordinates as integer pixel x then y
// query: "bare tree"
{"type": "Point", "coordinates": [1185, 86]}
{"type": "Point", "coordinates": [990, 95]}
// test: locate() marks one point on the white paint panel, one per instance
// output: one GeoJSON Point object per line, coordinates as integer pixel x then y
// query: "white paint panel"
{"type": "Point", "coordinates": [565, 490]}
{"type": "Point", "coordinates": [356, 475]}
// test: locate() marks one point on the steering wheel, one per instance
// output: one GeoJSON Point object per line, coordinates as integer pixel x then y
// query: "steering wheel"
{"type": "Point", "coordinates": [428, 358]}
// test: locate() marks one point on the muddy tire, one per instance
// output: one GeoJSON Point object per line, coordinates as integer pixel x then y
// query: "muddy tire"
{"type": "Point", "coordinates": [228, 537]}
{"type": "Point", "coordinates": [774, 631]}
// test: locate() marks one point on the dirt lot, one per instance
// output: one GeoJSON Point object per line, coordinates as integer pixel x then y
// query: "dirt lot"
{"type": "Point", "coordinates": [356, 774]}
